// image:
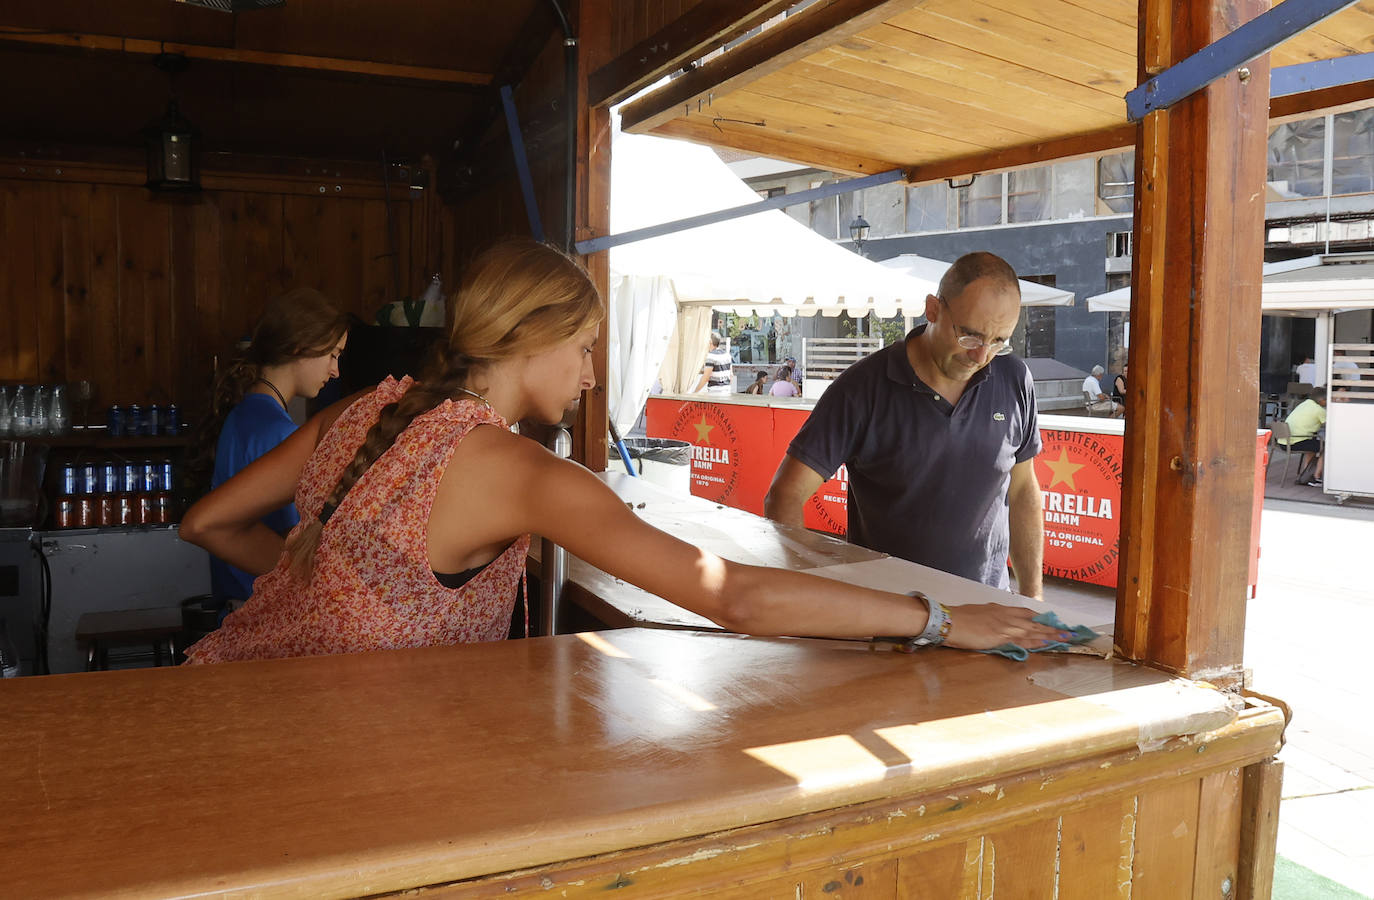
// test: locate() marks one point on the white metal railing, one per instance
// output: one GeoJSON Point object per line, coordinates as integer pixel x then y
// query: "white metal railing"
{"type": "Point", "coordinates": [1350, 421]}
{"type": "Point", "coordinates": [826, 358]}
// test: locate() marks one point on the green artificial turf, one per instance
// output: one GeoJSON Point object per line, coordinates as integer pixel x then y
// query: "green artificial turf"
{"type": "Point", "coordinates": [1295, 882]}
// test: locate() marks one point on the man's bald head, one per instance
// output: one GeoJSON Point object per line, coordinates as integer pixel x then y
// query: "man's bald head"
{"type": "Point", "coordinates": [972, 266]}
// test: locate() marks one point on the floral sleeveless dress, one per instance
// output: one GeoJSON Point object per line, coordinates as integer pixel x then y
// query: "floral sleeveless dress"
{"type": "Point", "coordinates": [372, 587]}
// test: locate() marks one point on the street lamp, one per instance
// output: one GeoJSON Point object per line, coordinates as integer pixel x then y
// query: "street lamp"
{"type": "Point", "coordinates": [858, 233]}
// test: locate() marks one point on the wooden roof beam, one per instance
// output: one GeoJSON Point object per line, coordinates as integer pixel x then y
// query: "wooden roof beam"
{"type": "Point", "coordinates": [703, 28]}
{"type": "Point", "coordinates": [799, 36]}
{"type": "Point", "coordinates": [1341, 98]}
{"type": "Point", "coordinates": [117, 44]}
{"type": "Point", "coordinates": [1093, 143]}
{"type": "Point", "coordinates": [773, 146]}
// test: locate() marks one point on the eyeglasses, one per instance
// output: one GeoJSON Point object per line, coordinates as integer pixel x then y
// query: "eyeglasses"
{"type": "Point", "coordinates": [973, 342]}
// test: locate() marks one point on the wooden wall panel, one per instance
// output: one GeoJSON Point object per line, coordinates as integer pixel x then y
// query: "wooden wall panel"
{"type": "Point", "coordinates": [78, 325]}
{"type": "Point", "coordinates": [635, 20]}
{"type": "Point", "coordinates": [951, 871]}
{"type": "Point", "coordinates": [48, 283]}
{"type": "Point", "coordinates": [1167, 837]}
{"type": "Point", "coordinates": [1218, 831]}
{"type": "Point", "coordinates": [1023, 861]}
{"type": "Point", "coordinates": [21, 214]}
{"type": "Point", "coordinates": [208, 330]}
{"type": "Point", "coordinates": [102, 205]}
{"type": "Point", "coordinates": [1095, 849]}
{"type": "Point", "coordinates": [141, 293]}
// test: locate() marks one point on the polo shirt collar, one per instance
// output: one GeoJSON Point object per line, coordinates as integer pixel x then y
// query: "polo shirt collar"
{"type": "Point", "coordinates": [899, 367]}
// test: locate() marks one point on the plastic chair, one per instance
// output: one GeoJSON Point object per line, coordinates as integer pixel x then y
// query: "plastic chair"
{"type": "Point", "coordinates": [1280, 430]}
{"type": "Point", "coordinates": [1089, 401]}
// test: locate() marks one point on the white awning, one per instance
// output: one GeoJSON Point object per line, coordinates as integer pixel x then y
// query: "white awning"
{"type": "Point", "coordinates": [760, 263]}
{"type": "Point", "coordinates": [1314, 284]}
{"type": "Point", "coordinates": [932, 270]}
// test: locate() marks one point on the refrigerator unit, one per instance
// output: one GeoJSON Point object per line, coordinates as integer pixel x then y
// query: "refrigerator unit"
{"type": "Point", "coordinates": [97, 570]}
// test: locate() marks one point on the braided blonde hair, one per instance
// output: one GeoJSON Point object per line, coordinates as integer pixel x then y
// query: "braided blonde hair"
{"type": "Point", "coordinates": [518, 298]}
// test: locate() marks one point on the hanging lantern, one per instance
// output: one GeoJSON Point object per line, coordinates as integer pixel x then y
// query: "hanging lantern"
{"type": "Point", "coordinates": [171, 141]}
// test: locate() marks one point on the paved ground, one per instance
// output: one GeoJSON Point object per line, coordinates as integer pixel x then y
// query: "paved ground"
{"type": "Point", "coordinates": [1307, 641]}
{"type": "Point", "coordinates": [1308, 637]}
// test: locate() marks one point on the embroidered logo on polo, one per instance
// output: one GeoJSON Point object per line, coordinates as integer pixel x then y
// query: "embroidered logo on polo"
{"type": "Point", "coordinates": [998, 417]}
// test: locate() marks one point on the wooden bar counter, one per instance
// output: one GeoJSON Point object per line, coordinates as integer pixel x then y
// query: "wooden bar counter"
{"type": "Point", "coordinates": [649, 762]}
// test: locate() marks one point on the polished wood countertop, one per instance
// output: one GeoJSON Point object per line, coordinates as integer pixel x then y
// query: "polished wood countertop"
{"type": "Point", "coordinates": [725, 531]}
{"type": "Point", "coordinates": [367, 773]}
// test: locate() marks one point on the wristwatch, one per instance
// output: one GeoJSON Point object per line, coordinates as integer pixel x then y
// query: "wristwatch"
{"type": "Point", "coordinates": [938, 624]}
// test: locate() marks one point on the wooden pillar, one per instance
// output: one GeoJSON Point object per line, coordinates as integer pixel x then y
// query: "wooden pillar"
{"type": "Point", "coordinates": [593, 217]}
{"type": "Point", "coordinates": [1194, 357]}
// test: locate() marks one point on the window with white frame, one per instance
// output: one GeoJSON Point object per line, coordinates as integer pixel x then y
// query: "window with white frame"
{"type": "Point", "coordinates": [980, 203]}
{"type": "Point", "coordinates": [1297, 157]}
{"type": "Point", "coordinates": [1030, 194]}
{"type": "Point", "coordinates": [1352, 152]}
{"type": "Point", "coordinates": [1116, 181]}
{"type": "Point", "coordinates": [927, 207]}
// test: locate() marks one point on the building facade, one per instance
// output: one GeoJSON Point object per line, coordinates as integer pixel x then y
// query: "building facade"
{"type": "Point", "coordinates": [1069, 225]}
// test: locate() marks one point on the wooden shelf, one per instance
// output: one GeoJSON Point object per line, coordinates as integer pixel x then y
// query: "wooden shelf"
{"type": "Point", "coordinates": [95, 438]}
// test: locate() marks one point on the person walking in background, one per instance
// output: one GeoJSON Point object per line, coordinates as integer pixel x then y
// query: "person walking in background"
{"type": "Point", "coordinates": [294, 352]}
{"type": "Point", "coordinates": [783, 385]}
{"type": "Point", "coordinates": [717, 375]}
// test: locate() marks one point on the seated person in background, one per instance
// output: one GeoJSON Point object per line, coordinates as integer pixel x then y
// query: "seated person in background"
{"type": "Point", "coordinates": [1303, 424]}
{"type": "Point", "coordinates": [784, 386]}
{"type": "Point", "coordinates": [1119, 388]}
{"type": "Point", "coordinates": [417, 503]}
{"type": "Point", "coordinates": [796, 376]}
{"type": "Point", "coordinates": [1096, 400]}
{"type": "Point", "coordinates": [757, 386]}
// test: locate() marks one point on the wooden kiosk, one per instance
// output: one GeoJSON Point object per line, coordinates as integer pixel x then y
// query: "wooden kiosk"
{"type": "Point", "coordinates": [659, 763]}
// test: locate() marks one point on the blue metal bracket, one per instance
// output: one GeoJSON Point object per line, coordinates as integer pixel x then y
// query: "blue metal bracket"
{"type": "Point", "coordinates": [605, 242]}
{"type": "Point", "coordinates": [522, 164]}
{"type": "Point", "coordinates": [1320, 74]}
{"type": "Point", "coordinates": [1255, 38]}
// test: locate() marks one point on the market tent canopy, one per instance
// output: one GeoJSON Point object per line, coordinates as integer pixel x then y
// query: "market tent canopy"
{"type": "Point", "coordinates": [932, 270]}
{"type": "Point", "coordinates": [1313, 284]}
{"type": "Point", "coordinates": [767, 262]}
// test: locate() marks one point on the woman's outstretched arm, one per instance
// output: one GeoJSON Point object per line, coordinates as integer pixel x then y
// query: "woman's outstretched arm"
{"type": "Point", "coordinates": [528, 489]}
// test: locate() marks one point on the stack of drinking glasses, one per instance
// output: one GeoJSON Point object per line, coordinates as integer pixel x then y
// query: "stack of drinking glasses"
{"type": "Point", "coordinates": [33, 410]}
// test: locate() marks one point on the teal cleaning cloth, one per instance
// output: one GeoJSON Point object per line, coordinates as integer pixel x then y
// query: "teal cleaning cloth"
{"type": "Point", "coordinates": [1081, 635]}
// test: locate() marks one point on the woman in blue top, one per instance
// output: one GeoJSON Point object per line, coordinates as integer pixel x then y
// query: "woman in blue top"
{"type": "Point", "coordinates": [294, 352]}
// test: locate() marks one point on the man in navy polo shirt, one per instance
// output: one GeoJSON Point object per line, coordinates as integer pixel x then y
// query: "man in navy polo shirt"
{"type": "Point", "coordinates": [938, 433]}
